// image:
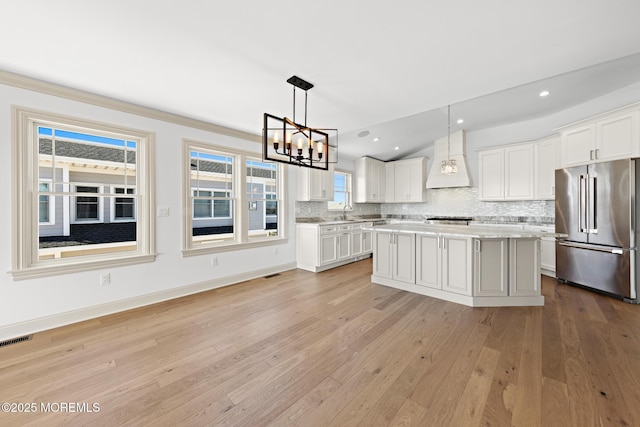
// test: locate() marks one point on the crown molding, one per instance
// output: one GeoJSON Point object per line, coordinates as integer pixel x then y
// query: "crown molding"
{"type": "Point", "coordinates": [48, 88]}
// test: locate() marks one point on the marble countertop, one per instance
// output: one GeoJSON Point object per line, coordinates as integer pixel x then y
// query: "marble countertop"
{"type": "Point", "coordinates": [476, 231]}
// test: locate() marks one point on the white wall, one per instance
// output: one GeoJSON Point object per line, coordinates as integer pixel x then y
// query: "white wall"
{"type": "Point", "coordinates": [36, 304]}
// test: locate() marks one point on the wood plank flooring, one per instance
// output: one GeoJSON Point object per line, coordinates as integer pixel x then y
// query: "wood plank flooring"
{"type": "Point", "coordinates": [332, 349]}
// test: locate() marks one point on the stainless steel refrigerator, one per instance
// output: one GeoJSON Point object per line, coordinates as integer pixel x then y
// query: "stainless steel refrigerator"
{"type": "Point", "coordinates": [596, 207]}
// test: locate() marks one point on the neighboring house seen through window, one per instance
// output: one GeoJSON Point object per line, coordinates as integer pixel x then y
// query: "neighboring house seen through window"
{"type": "Point", "coordinates": [89, 212]}
{"type": "Point", "coordinates": [221, 216]}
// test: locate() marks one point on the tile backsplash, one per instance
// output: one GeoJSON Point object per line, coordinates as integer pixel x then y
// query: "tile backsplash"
{"type": "Point", "coordinates": [461, 201]}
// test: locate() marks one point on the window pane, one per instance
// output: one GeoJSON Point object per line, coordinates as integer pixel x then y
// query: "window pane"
{"type": "Point", "coordinates": [86, 207]}
{"type": "Point", "coordinates": [262, 185]}
{"type": "Point", "coordinates": [211, 177]}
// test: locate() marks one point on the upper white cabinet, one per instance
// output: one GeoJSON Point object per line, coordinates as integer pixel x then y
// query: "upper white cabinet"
{"type": "Point", "coordinates": [315, 184]}
{"type": "Point", "coordinates": [507, 173]}
{"type": "Point", "coordinates": [611, 136]}
{"type": "Point", "coordinates": [406, 180]}
{"type": "Point", "coordinates": [547, 160]}
{"type": "Point", "coordinates": [370, 181]}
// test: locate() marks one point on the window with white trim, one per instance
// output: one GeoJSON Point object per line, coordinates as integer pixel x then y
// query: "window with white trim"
{"type": "Point", "coordinates": [217, 214]}
{"type": "Point", "coordinates": [73, 178]}
{"type": "Point", "coordinates": [87, 208]}
{"type": "Point", "coordinates": [46, 204]}
{"type": "Point", "coordinates": [341, 191]}
{"type": "Point", "coordinates": [123, 207]}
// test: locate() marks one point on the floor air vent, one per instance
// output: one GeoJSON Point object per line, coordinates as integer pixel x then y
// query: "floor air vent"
{"type": "Point", "coordinates": [15, 340]}
{"type": "Point", "coordinates": [271, 275]}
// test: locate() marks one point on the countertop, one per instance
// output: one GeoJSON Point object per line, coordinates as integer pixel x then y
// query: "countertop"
{"type": "Point", "coordinates": [476, 231]}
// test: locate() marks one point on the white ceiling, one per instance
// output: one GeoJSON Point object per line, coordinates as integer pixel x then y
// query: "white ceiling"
{"type": "Point", "coordinates": [372, 62]}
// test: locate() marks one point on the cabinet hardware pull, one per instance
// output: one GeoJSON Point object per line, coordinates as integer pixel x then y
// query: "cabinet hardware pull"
{"type": "Point", "coordinates": [597, 153]}
{"type": "Point", "coordinates": [590, 154]}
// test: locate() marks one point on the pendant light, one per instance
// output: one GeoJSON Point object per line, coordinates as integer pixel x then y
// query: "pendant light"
{"type": "Point", "coordinates": [449, 166]}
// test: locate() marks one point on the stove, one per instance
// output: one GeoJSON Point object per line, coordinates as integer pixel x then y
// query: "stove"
{"type": "Point", "coordinates": [451, 220]}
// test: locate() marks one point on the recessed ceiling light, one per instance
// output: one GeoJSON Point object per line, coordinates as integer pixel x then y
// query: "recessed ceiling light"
{"type": "Point", "coordinates": [363, 133]}
{"type": "Point", "coordinates": [376, 139]}
{"type": "Point", "coordinates": [544, 93]}
{"type": "Point", "coordinates": [460, 121]}
{"type": "Point", "coordinates": [396, 148]}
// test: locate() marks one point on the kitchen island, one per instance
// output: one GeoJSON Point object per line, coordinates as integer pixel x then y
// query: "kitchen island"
{"type": "Point", "coordinates": [471, 265]}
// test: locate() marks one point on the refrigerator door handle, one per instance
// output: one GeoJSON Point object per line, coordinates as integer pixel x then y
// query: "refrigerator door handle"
{"type": "Point", "coordinates": [593, 210]}
{"type": "Point", "coordinates": [582, 205]}
{"type": "Point", "coordinates": [615, 251]}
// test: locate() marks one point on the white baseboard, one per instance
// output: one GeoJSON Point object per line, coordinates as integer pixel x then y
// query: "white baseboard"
{"type": "Point", "coordinates": [62, 319]}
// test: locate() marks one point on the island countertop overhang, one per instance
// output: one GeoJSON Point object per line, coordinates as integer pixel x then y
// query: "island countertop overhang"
{"type": "Point", "coordinates": [474, 231]}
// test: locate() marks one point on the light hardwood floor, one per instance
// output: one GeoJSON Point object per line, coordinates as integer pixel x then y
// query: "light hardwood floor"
{"type": "Point", "coordinates": [332, 349]}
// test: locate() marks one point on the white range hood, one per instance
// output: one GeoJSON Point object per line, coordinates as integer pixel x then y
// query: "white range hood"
{"type": "Point", "coordinates": [460, 179]}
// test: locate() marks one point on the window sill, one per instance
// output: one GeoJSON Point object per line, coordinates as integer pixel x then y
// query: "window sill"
{"type": "Point", "coordinates": [78, 266]}
{"type": "Point", "coordinates": [232, 247]}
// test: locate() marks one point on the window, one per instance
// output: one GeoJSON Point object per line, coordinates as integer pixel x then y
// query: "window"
{"type": "Point", "coordinates": [341, 191]}
{"type": "Point", "coordinates": [62, 221]}
{"type": "Point", "coordinates": [46, 210]}
{"type": "Point", "coordinates": [219, 216]}
{"type": "Point", "coordinates": [87, 207]}
{"type": "Point", "coordinates": [211, 204]}
{"type": "Point", "coordinates": [123, 208]}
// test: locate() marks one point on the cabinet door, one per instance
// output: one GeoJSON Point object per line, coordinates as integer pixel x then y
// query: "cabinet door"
{"type": "Point", "coordinates": [490, 267]}
{"type": "Point", "coordinates": [382, 254]}
{"type": "Point", "coordinates": [343, 241]}
{"type": "Point", "coordinates": [457, 265]}
{"type": "Point", "coordinates": [524, 267]}
{"type": "Point", "coordinates": [578, 145]}
{"type": "Point", "coordinates": [428, 261]}
{"type": "Point", "coordinates": [356, 243]}
{"type": "Point", "coordinates": [548, 254]}
{"type": "Point", "coordinates": [377, 175]}
{"type": "Point", "coordinates": [367, 242]}
{"type": "Point", "coordinates": [518, 180]}
{"type": "Point", "coordinates": [402, 182]}
{"type": "Point", "coordinates": [618, 137]}
{"type": "Point", "coordinates": [404, 257]}
{"type": "Point", "coordinates": [547, 160]}
{"type": "Point", "coordinates": [417, 178]}
{"type": "Point", "coordinates": [491, 174]}
{"type": "Point", "coordinates": [389, 183]}
{"type": "Point", "coordinates": [328, 249]}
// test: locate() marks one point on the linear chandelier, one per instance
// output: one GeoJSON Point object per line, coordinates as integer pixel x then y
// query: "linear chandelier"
{"type": "Point", "coordinates": [285, 141]}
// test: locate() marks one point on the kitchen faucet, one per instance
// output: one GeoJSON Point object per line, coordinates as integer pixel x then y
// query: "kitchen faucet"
{"type": "Point", "coordinates": [344, 211]}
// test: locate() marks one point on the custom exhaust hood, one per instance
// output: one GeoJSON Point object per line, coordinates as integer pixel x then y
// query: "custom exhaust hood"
{"type": "Point", "coordinates": [455, 152]}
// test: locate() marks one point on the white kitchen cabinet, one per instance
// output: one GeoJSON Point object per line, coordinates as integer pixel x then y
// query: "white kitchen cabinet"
{"type": "Point", "coordinates": [547, 160]}
{"type": "Point", "coordinates": [547, 249]}
{"type": "Point", "coordinates": [457, 264]}
{"type": "Point", "coordinates": [343, 242]}
{"type": "Point", "coordinates": [406, 181]}
{"type": "Point", "coordinates": [577, 145]}
{"type": "Point", "coordinates": [491, 267]}
{"type": "Point", "coordinates": [611, 136]}
{"type": "Point", "coordinates": [389, 182]}
{"type": "Point", "coordinates": [394, 256]}
{"type": "Point", "coordinates": [320, 247]}
{"type": "Point", "coordinates": [444, 263]}
{"type": "Point", "coordinates": [518, 167]}
{"type": "Point", "coordinates": [315, 184]}
{"type": "Point", "coordinates": [370, 180]}
{"type": "Point", "coordinates": [524, 267]}
{"type": "Point", "coordinates": [507, 173]}
{"type": "Point", "coordinates": [428, 261]}
{"type": "Point", "coordinates": [361, 240]}
{"type": "Point", "coordinates": [491, 183]}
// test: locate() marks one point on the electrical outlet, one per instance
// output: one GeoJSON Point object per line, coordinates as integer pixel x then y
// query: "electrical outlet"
{"type": "Point", "coordinates": [105, 279]}
{"type": "Point", "coordinates": [214, 261]}
{"type": "Point", "coordinates": [163, 211]}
